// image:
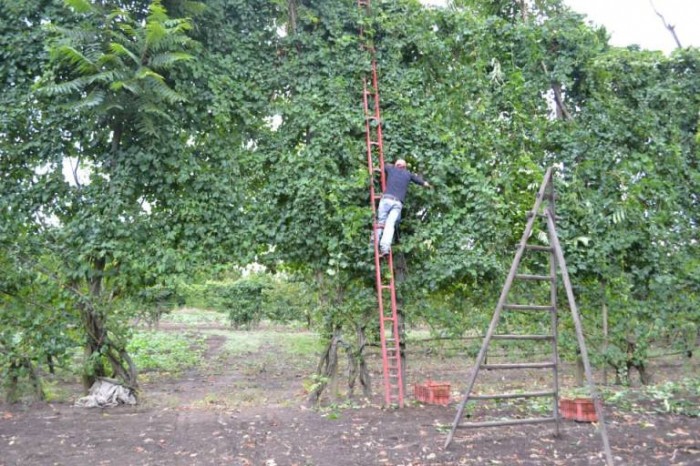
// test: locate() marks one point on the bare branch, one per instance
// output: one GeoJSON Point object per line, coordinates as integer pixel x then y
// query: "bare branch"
{"type": "Point", "coordinates": [671, 28]}
{"type": "Point", "coordinates": [74, 170]}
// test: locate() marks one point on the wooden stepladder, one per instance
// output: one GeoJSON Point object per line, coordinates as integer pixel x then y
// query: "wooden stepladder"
{"type": "Point", "coordinates": [543, 211]}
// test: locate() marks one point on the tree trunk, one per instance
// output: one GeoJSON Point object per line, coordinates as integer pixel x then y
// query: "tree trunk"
{"type": "Point", "coordinates": [327, 369]}
{"type": "Point", "coordinates": [98, 344]}
{"type": "Point", "coordinates": [15, 369]}
{"type": "Point", "coordinates": [359, 366]}
{"type": "Point", "coordinates": [292, 14]}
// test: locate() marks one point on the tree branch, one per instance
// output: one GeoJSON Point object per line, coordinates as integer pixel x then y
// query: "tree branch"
{"type": "Point", "coordinates": [671, 28]}
{"type": "Point", "coordinates": [562, 111]}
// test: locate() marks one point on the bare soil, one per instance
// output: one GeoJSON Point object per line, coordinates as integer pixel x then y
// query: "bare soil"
{"type": "Point", "coordinates": [252, 410]}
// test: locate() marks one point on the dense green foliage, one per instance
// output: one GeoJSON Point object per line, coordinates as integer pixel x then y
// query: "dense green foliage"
{"type": "Point", "coordinates": [146, 144]}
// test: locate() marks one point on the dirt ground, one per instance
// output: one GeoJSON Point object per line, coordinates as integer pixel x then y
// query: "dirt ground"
{"type": "Point", "coordinates": [252, 411]}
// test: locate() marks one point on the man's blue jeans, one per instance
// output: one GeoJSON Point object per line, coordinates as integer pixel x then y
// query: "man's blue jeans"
{"type": "Point", "coordinates": [388, 213]}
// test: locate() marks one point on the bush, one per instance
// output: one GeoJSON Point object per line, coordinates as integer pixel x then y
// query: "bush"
{"type": "Point", "coordinates": [159, 300]}
{"type": "Point", "coordinates": [287, 301]}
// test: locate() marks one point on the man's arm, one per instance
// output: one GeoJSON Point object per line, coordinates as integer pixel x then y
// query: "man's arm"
{"type": "Point", "coordinates": [418, 180]}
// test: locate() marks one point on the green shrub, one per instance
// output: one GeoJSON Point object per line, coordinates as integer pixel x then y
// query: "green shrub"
{"type": "Point", "coordinates": [158, 300]}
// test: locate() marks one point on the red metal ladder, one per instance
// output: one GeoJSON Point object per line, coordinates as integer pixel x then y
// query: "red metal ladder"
{"type": "Point", "coordinates": [384, 273]}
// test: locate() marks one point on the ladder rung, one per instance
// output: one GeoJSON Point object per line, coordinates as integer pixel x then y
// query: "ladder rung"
{"type": "Point", "coordinates": [523, 337]}
{"type": "Point", "coordinates": [374, 143]}
{"type": "Point", "coordinates": [386, 287]}
{"type": "Point", "coordinates": [511, 422]}
{"type": "Point", "coordinates": [527, 307]}
{"type": "Point", "coordinates": [537, 247]}
{"type": "Point", "coordinates": [534, 277]}
{"type": "Point", "coordinates": [512, 395]}
{"type": "Point", "coordinates": [523, 365]}
{"type": "Point", "coordinates": [529, 215]}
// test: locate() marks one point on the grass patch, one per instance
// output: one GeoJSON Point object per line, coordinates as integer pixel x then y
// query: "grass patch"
{"type": "Point", "coordinates": [56, 392]}
{"type": "Point", "coordinates": [670, 397]}
{"type": "Point", "coordinates": [299, 344]}
{"type": "Point", "coordinates": [192, 316]}
{"type": "Point", "coordinates": [251, 341]}
{"type": "Point", "coordinates": [165, 351]}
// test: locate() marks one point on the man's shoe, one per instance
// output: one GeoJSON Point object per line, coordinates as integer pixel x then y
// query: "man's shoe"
{"type": "Point", "coordinates": [383, 254]}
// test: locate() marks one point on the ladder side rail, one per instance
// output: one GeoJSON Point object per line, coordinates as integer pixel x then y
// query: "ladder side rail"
{"type": "Point", "coordinates": [499, 306]}
{"type": "Point", "coordinates": [554, 325]}
{"type": "Point", "coordinates": [377, 260]}
{"type": "Point", "coordinates": [395, 331]}
{"type": "Point", "coordinates": [378, 271]}
{"type": "Point", "coordinates": [368, 140]}
{"type": "Point", "coordinates": [377, 115]}
{"type": "Point", "coordinates": [579, 335]}
{"type": "Point", "coordinates": [382, 339]}
{"type": "Point", "coordinates": [370, 168]}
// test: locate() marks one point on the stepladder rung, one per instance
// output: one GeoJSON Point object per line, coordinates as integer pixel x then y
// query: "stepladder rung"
{"type": "Point", "coordinates": [537, 247]}
{"type": "Point", "coordinates": [503, 396]}
{"type": "Point", "coordinates": [507, 422]}
{"type": "Point", "coordinates": [523, 365]}
{"type": "Point", "coordinates": [528, 307]}
{"type": "Point", "coordinates": [539, 214]}
{"type": "Point", "coordinates": [522, 337]}
{"type": "Point", "coordinates": [523, 276]}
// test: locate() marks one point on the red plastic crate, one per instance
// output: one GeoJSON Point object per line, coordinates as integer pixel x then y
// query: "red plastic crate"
{"type": "Point", "coordinates": [578, 409]}
{"type": "Point", "coordinates": [432, 392]}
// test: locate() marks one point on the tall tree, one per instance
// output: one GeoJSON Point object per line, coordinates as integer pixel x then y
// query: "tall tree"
{"type": "Point", "coordinates": [110, 72]}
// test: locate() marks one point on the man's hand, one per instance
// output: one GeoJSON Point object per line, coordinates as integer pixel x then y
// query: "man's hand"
{"type": "Point", "coordinates": [427, 185]}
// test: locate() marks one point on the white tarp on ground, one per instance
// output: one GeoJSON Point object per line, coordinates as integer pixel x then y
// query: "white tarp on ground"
{"type": "Point", "coordinates": [105, 393]}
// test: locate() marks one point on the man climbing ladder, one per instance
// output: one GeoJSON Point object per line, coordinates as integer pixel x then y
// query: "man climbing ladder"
{"type": "Point", "coordinates": [391, 203]}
